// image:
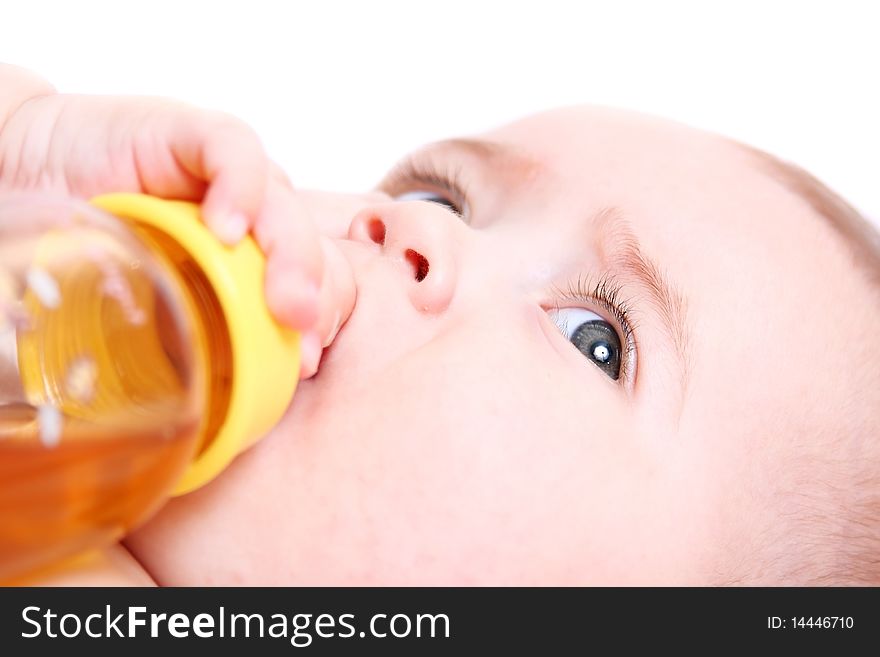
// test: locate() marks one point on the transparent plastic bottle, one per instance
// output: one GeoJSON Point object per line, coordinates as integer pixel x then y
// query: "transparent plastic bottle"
{"type": "Point", "coordinates": [137, 358]}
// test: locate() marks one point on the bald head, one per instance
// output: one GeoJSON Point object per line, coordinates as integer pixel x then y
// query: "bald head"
{"type": "Point", "coordinates": [859, 235]}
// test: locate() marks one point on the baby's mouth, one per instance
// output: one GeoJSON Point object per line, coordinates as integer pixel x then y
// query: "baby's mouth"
{"type": "Point", "coordinates": [355, 254]}
{"type": "Point", "coordinates": [337, 326]}
{"type": "Point", "coordinates": [331, 348]}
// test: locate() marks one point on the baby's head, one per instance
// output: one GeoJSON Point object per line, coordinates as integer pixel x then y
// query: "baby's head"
{"type": "Point", "coordinates": [642, 355]}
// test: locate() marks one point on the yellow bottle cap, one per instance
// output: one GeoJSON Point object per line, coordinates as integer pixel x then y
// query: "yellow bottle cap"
{"type": "Point", "coordinates": [265, 356]}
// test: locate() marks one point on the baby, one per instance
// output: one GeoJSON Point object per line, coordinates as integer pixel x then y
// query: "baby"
{"type": "Point", "coordinates": [584, 348]}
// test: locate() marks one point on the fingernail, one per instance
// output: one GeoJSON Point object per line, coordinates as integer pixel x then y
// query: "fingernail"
{"type": "Point", "coordinates": [232, 229]}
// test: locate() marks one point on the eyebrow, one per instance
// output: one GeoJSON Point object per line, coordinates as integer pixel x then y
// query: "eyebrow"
{"type": "Point", "coordinates": [499, 157]}
{"type": "Point", "coordinates": [622, 251]}
{"type": "Point", "coordinates": [620, 247]}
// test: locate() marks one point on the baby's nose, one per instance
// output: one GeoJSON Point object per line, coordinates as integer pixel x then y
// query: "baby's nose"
{"type": "Point", "coordinates": [422, 237]}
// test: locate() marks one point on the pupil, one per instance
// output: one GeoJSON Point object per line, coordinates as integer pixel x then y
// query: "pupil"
{"type": "Point", "coordinates": [599, 343]}
{"type": "Point", "coordinates": [601, 352]}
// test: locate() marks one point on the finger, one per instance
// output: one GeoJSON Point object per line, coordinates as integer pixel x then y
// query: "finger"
{"type": "Point", "coordinates": [291, 297]}
{"type": "Point", "coordinates": [336, 302]}
{"type": "Point", "coordinates": [279, 175]}
{"type": "Point", "coordinates": [227, 154]}
{"type": "Point", "coordinates": [295, 266]}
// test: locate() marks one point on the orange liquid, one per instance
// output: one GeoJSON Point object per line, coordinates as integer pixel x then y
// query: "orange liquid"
{"type": "Point", "coordinates": [132, 392]}
{"type": "Point", "coordinates": [127, 356]}
{"type": "Point", "coordinates": [89, 490]}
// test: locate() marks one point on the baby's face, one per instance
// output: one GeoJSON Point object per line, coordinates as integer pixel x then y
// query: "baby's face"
{"type": "Point", "coordinates": [455, 434]}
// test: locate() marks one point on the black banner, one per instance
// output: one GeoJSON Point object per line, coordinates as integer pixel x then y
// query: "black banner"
{"type": "Point", "coordinates": [433, 621]}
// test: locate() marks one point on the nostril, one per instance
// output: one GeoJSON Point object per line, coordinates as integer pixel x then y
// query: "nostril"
{"type": "Point", "coordinates": [376, 231]}
{"type": "Point", "coordinates": [419, 263]}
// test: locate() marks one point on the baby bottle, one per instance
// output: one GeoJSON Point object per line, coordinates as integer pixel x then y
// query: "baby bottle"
{"type": "Point", "coordinates": [137, 359]}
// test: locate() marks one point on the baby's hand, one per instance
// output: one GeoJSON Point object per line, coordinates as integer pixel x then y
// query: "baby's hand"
{"type": "Point", "coordinates": [89, 145]}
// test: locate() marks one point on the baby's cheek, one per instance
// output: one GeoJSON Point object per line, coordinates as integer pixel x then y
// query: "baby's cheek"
{"type": "Point", "coordinates": [457, 506]}
{"type": "Point", "coordinates": [429, 480]}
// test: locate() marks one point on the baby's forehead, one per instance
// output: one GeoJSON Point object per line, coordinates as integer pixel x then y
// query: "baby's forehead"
{"type": "Point", "coordinates": [670, 176]}
{"type": "Point", "coordinates": [754, 245]}
{"type": "Point", "coordinates": [664, 176]}
{"type": "Point", "coordinates": [579, 133]}
{"type": "Point", "coordinates": [644, 164]}
{"type": "Point", "coordinates": [712, 212]}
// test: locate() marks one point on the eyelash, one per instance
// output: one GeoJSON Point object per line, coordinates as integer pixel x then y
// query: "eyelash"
{"type": "Point", "coordinates": [414, 173]}
{"type": "Point", "coordinates": [605, 292]}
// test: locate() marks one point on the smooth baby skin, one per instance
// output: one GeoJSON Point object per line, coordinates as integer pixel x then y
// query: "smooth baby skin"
{"type": "Point", "coordinates": [454, 435]}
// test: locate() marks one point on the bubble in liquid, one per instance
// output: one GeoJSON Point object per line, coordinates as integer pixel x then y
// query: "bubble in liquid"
{"type": "Point", "coordinates": [115, 285]}
{"type": "Point", "coordinates": [44, 287]}
{"type": "Point", "coordinates": [50, 422]}
{"type": "Point", "coordinates": [81, 379]}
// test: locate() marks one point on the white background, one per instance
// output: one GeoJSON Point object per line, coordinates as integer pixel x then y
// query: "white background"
{"type": "Point", "coordinates": [339, 90]}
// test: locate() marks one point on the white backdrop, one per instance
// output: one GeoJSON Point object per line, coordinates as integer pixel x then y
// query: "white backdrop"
{"type": "Point", "coordinates": [339, 90]}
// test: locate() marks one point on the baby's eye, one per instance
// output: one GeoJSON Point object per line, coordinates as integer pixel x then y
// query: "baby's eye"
{"type": "Point", "coordinates": [431, 197]}
{"type": "Point", "coordinates": [593, 336]}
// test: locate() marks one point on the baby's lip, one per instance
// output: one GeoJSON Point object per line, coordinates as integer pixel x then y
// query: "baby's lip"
{"type": "Point", "coordinates": [331, 343]}
{"type": "Point", "coordinates": [328, 356]}
{"type": "Point", "coordinates": [337, 325]}
{"type": "Point", "coordinates": [353, 252]}
{"type": "Point", "coordinates": [347, 338]}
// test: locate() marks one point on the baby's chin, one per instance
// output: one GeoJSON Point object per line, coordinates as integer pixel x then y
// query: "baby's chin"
{"type": "Point", "coordinates": [198, 538]}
